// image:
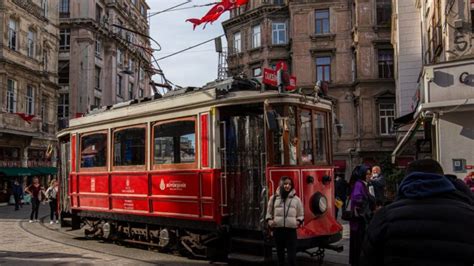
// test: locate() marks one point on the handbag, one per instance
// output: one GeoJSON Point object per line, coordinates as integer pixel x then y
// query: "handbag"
{"type": "Point", "coordinates": [348, 214]}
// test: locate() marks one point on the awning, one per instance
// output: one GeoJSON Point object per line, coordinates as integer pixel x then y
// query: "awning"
{"type": "Point", "coordinates": [404, 119]}
{"type": "Point", "coordinates": [340, 164]}
{"type": "Point", "coordinates": [45, 170]}
{"type": "Point", "coordinates": [410, 133]}
{"type": "Point", "coordinates": [31, 171]}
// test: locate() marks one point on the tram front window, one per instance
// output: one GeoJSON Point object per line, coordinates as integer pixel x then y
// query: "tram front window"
{"type": "Point", "coordinates": [174, 143]}
{"type": "Point", "coordinates": [94, 150]}
{"type": "Point", "coordinates": [129, 147]}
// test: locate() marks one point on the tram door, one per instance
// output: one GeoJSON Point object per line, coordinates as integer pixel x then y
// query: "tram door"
{"type": "Point", "coordinates": [243, 161]}
{"type": "Point", "coordinates": [64, 168]}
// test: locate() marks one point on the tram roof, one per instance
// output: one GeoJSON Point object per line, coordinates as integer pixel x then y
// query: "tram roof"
{"type": "Point", "coordinates": [219, 93]}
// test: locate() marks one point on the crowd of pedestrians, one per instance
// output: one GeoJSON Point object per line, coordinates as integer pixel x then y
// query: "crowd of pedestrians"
{"type": "Point", "coordinates": [430, 222]}
{"type": "Point", "coordinates": [35, 194]}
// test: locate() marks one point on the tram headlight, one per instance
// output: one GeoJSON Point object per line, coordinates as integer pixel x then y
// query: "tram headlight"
{"type": "Point", "coordinates": [318, 203]}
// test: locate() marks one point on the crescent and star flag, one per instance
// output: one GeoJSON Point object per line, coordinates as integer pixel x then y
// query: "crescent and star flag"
{"type": "Point", "coordinates": [26, 117]}
{"type": "Point", "coordinates": [216, 11]}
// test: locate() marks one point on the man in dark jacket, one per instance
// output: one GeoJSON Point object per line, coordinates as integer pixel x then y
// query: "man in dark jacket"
{"type": "Point", "coordinates": [17, 192]}
{"type": "Point", "coordinates": [430, 223]}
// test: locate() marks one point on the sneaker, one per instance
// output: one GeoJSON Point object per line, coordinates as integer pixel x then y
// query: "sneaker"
{"type": "Point", "coordinates": [57, 221]}
{"type": "Point", "coordinates": [30, 221]}
{"type": "Point", "coordinates": [37, 221]}
{"type": "Point", "coordinates": [51, 222]}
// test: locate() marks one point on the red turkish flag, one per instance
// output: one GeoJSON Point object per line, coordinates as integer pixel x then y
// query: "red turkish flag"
{"type": "Point", "coordinates": [26, 117]}
{"type": "Point", "coordinates": [216, 11]}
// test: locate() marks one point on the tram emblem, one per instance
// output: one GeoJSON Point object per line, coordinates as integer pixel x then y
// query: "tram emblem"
{"type": "Point", "coordinates": [162, 184]}
{"type": "Point", "coordinates": [128, 189]}
{"type": "Point", "coordinates": [92, 184]}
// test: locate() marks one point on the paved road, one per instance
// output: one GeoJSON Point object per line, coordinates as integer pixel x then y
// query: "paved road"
{"type": "Point", "coordinates": [24, 243]}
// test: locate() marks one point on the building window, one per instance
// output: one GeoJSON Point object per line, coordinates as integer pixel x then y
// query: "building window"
{"type": "Point", "coordinates": [97, 78]}
{"type": "Point", "coordinates": [385, 58]}
{"type": "Point", "coordinates": [44, 98]}
{"type": "Point", "coordinates": [45, 60]}
{"type": "Point", "coordinates": [322, 21]}
{"type": "Point", "coordinates": [12, 34]}
{"type": "Point", "coordinates": [131, 64]}
{"type": "Point", "coordinates": [11, 96]}
{"type": "Point", "coordinates": [323, 68]}
{"type": "Point", "coordinates": [143, 10]}
{"type": "Point", "coordinates": [256, 36]}
{"type": "Point", "coordinates": [257, 72]}
{"type": "Point", "coordinates": [63, 72]}
{"type": "Point", "coordinates": [64, 39]}
{"type": "Point", "coordinates": [30, 100]}
{"type": "Point", "coordinates": [98, 13]}
{"type": "Point", "coordinates": [141, 74]}
{"type": "Point", "coordinates": [237, 42]}
{"type": "Point", "coordinates": [472, 17]}
{"type": "Point", "coordinates": [278, 2]}
{"type": "Point", "coordinates": [63, 106]}
{"type": "Point", "coordinates": [279, 33]}
{"type": "Point", "coordinates": [386, 116]}
{"type": "Point", "coordinates": [140, 93]}
{"type": "Point", "coordinates": [119, 57]}
{"type": "Point", "coordinates": [44, 6]}
{"type": "Point", "coordinates": [98, 47]}
{"type": "Point", "coordinates": [130, 90]}
{"type": "Point", "coordinates": [63, 8]}
{"type": "Point", "coordinates": [31, 43]}
{"type": "Point", "coordinates": [134, 2]}
{"type": "Point", "coordinates": [384, 12]}
{"type": "Point", "coordinates": [119, 85]}
{"type": "Point", "coordinates": [97, 102]}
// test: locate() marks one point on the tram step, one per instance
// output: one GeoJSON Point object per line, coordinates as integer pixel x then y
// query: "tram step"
{"type": "Point", "coordinates": [252, 247]}
{"type": "Point", "coordinates": [239, 259]}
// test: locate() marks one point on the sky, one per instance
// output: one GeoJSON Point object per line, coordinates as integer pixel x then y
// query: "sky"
{"type": "Point", "coordinates": [194, 67]}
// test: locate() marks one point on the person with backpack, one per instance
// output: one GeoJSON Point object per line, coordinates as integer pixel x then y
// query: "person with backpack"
{"type": "Point", "coordinates": [51, 194]}
{"type": "Point", "coordinates": [284, 215]}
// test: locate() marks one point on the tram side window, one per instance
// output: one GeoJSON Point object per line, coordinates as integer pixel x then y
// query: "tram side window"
{"type": "Point", "coordinates": [306, 142]}
{"type": "Point", "coordinates": [175, 143]}
{"type": "Point", "coordinates": [321, 138]}
{"type": "Point", "coordinates": [129, 147]}
{"type": "Point", "coordinates": [94, 150]}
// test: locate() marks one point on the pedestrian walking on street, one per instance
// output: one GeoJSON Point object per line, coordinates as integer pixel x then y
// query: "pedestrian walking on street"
{"type": "Point", "coordinates": [17, 192]}
{"type": "Point", "coordinates": [377, 180]}
{"type": "Point", "coordinates": [284, 215]}
{"type": "Point", "coordinates": [342, 191]}
{"type": "Point", "coordinates": [37, 195]}
{"type": "Point", "coordinates": [362, 207]}
{"type": "Point", "coordinates": [430, 223]}
{"type": "Point", "coordinates": [51, 194]}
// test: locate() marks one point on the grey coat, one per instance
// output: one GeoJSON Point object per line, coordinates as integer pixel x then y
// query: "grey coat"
{"type": "Point", "coordinates": [288, 213]}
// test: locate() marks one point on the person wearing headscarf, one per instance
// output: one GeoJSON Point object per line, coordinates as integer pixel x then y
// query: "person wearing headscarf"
{"type": "Point", "coordinates": [284, 215]}
{"type": "Point", "coordinates": [362, 206]}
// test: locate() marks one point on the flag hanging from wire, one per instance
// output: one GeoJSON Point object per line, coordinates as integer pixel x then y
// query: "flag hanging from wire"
{"type": "Point", "coordinates": [216, 11]}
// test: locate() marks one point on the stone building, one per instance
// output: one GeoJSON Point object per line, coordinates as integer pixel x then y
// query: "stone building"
{"type": "Point", "coordinates": [446, 85]}
{"type": "Point", "coordinates": [344, 43]}
{"type": "Point", "coordinates": [28, 89]}
{"type": "Point", "coordinates": [104, 54]}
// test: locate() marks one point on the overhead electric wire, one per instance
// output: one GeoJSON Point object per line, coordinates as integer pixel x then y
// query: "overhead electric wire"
{"type": "Point", "coordinates": [189, 48]}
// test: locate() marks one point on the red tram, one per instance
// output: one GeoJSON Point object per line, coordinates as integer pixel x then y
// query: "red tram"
{"type": "Point", "coordinates": [193, 170]}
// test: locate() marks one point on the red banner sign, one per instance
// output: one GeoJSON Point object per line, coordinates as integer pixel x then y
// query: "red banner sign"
{"type": "Point", "coordinates": [278, 76]}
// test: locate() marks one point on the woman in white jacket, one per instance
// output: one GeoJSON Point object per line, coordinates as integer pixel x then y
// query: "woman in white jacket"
{"type": "Point", "coordinates": [285, 214]}
{"type": "Point", "coordinates": [51, 194]}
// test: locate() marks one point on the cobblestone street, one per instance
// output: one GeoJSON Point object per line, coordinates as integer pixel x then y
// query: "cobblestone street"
{"type": "Point", "coordinates": [45, 244]}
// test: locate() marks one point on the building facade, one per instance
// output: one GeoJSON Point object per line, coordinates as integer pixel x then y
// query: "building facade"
{"type": "Point", "coordinates": [28, 89]}
{"type": "Point", "coordinates": [446, 83]}
{"type": "Point", "coordinates": [343, 43]}
{"type": "Point", "coordinates": [104, 54]}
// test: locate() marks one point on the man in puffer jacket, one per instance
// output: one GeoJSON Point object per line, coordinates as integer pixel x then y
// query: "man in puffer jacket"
{"type": "Point", "coordinates": [430, 223]}
{"type": "Point", "coordinates": [285, 214]}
